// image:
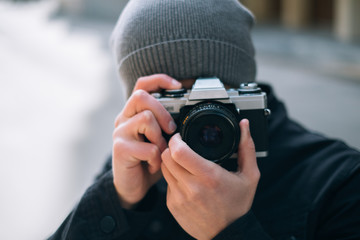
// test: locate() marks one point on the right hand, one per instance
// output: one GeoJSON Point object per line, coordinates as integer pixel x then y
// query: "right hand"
{"type": "Point", "coordinates": [136, 163]}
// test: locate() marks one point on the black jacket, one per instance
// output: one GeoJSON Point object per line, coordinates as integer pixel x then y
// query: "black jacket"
{"type": "Point", "coordinates": [309, 189]}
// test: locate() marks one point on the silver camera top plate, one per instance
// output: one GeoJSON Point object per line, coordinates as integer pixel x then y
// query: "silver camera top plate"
{"type": "Point", "coordinates": [208, 88]}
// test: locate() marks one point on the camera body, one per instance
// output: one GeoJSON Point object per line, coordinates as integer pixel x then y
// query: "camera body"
{"type": "Point", "coordinates": [208, 117]}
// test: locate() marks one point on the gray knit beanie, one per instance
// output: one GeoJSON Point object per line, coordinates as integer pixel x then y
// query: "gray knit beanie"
{"type": "Point", "coordinates": [184, 39]}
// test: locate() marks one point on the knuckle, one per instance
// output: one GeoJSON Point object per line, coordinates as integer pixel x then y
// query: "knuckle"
{"type": "Point", "coordinates": [165, 155]}
{"type": "Point", "coordinates": [119, 148]}
{"type": "Point", "coordinates": [253, 178]}
{"type": "Point", "coordinates": [147, 116]}
{"type": "Point", "coordinates": [177, 148]}
{"type": "Point", "coordinates": [120, 130]}
{"type": "Point", "coordinates": [162, 76]}
{"type": "Point", "coordinates": [115, 135]}
{"type": "Point", "coordinates": [140, 95]}
{"type": "Point", "coordinates": [140, 81]}
{"type": "Point", "coordinates": [170, 204]}
{"type": "Point", "coordinates": [153, 152]}
{"type": "Point", "coordinates": [194, 194]}
{"type": "Point", "coordinates": [118, 120]}
{"type": "Point", "coordinates": [256, 175]}
{"type": "Point", "coordinates": [117, 132]}
{"type": "Point", "coordinates": [119, 143]}
{"type": "Point", "coordinates": [176, 151]}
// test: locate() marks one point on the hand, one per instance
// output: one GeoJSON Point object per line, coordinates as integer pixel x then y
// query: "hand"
{"type": "Point", "coordinates": [136, 164]}
{"type": "Point", "coordinates": [203, 197]}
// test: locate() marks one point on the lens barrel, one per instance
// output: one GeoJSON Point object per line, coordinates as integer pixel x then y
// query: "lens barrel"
{"type": "Point", "coordinates": [211, 129]}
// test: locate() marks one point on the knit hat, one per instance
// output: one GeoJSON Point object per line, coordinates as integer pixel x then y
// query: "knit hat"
{"type": "Point", "coordinates": [184, 39]}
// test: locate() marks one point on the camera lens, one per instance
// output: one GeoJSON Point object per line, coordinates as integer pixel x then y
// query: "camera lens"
{"type": "Point", "coordinates": [210, 135]}
{"type": "Point", "coordinates": [211, 129]}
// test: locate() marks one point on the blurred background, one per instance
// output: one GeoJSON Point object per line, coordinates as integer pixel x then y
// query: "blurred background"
{"type": "Point", "coordinates": [59, 92]}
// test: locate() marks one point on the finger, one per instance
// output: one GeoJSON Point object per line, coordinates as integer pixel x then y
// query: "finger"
{"type": "Point", "coordinates": [170, 179]}
{"type": "Point", "coordinates": [177, 171]}
{"type": "Point", "coordinates": [187, 158]}
{"type": "Point", "coordinates": [141, 101]}
{"type": "Point", "coordinates": [145, 123]}
{"type": "Point", "coordinates": [247, 156]}
{"type": "Point", "coordinates": [137, 151]}
{"type": "Point", "coordinates": [156, 82]}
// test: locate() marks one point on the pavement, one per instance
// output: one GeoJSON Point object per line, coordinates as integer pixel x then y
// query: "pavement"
{"type": "Point", "coordinates": [59, 95]}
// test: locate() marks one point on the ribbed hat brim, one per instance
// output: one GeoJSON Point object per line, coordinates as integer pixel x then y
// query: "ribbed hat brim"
{"type": "Point", "coordinates": [190, 58]}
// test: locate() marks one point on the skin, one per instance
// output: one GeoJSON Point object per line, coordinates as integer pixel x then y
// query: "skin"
{"type": "Point", "coordinates": [203, 197]}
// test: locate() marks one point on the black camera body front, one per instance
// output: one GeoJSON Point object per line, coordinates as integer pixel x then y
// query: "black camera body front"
{"type": "Point", "coordinates": [208, 117]}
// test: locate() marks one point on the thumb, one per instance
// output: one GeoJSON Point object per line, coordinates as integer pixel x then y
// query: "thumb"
{"type": "Point", "coordinates": [246, 153]}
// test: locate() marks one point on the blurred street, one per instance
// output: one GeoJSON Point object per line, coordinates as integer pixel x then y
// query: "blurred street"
{"type": "Point", "coordinates": [316, 76]}
{"type": "Point", "coordinates": [59, 95]}
{"type": "Point", "coordinates": [58, 99]}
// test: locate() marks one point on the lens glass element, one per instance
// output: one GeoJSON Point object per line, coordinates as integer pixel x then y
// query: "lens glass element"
{"type": "Point", "coordinates": [210, 135]}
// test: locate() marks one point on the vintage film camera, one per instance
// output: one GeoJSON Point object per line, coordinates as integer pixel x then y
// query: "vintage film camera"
{"type": "Point", "coordinates": [208, 117]}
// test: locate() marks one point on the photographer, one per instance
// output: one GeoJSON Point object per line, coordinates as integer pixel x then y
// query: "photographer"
{"type": "Point", "coordinates": [152, 188]}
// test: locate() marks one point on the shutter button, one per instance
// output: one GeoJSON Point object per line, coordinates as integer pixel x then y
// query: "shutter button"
{"type": "Point", "coordinates": [107, 224]}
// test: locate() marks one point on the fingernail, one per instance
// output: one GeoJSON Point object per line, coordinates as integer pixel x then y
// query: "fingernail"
{"type": "Point", "coordinates": [176, 83]}
{"type": "Point", "coordinates": [247, 123]}
{"type": "Point", "coordinates": [178, 135]}
{"type": "Point", "coordinates": [172, 126]}
{"type": "Point", "coordinates": [246, 126]}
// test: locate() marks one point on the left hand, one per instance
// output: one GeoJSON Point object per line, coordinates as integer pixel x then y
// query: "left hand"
{"type": "Point", "coordinates": [203, 197]}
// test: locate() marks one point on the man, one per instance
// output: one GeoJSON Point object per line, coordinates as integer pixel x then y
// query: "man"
{"type": "Point", "coordinates": [154, 189]}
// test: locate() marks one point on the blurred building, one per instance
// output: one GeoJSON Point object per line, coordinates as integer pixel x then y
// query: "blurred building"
{"type": "Point", "coordinates": [339, 15]}
{"type": "Point", "coordinates": [109, 9]}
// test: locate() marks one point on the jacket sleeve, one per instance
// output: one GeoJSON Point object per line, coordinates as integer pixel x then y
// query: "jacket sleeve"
{"type": "Point", "coordinates": [245, 227]}
{"type": "Point", "coordinates": [340, 218]}
{"type": "Point", "coordinates": [99, 215]}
